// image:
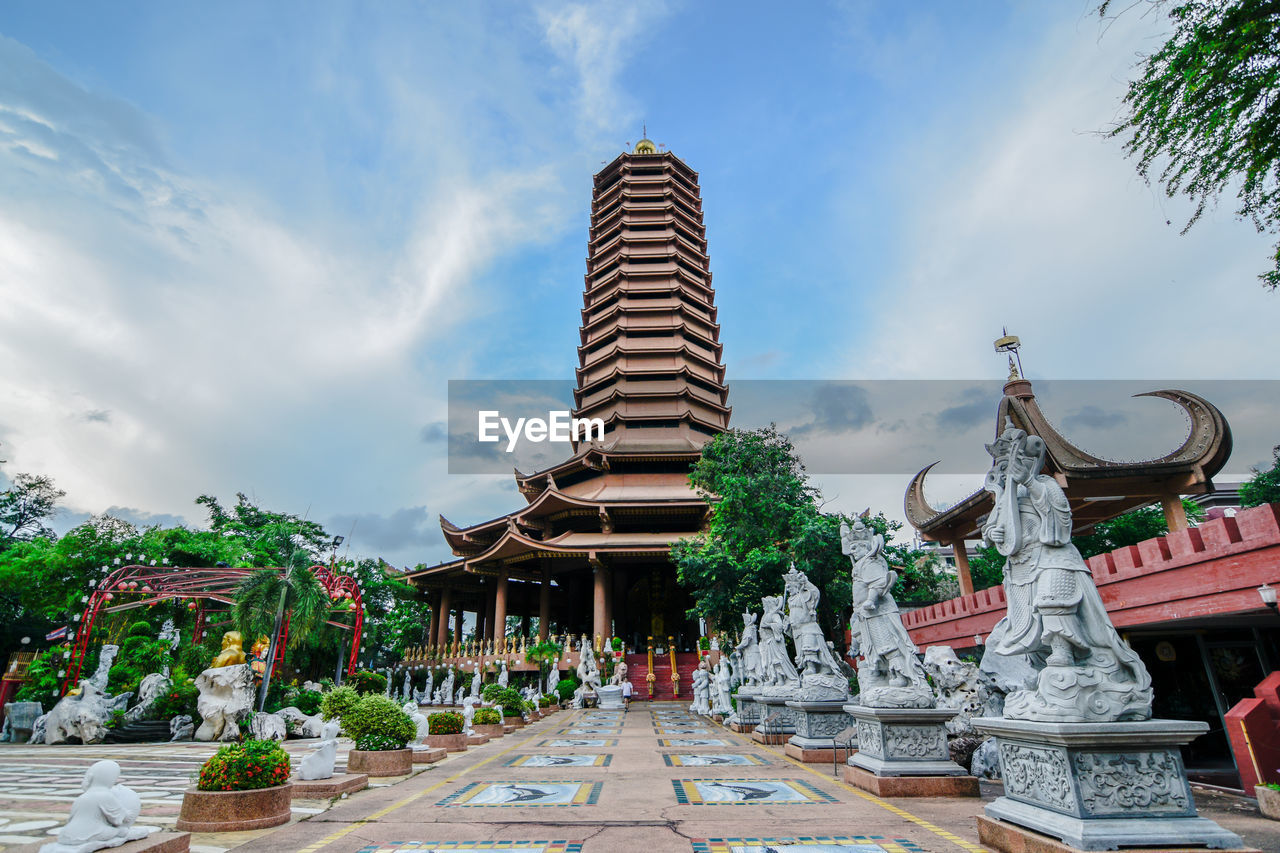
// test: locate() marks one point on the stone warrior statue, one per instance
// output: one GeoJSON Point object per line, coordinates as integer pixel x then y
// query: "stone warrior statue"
{"type": "Point", "coordinates": [776, 668]}
{"type": "Point", "coordinates": [889, 673]}
{"type": "Point", "coordinates": [1055, 616]}
{"type": "Point", "coordinates": [748, 649]}
{"type": "Point", "coordinates": [813, 657]}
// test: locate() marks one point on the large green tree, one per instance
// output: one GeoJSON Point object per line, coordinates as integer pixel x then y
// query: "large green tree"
{"type": "Point", "coordinates": [1203, 117]}
{"type": "Point", "coordinates": [26, 507]}
{"type": "Point", "coordinates": [1264, 486]}
{"type": "Point", "coordinates": [766, 515]}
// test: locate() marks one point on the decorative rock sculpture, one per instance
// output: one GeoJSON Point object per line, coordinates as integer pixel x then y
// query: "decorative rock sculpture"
{"type": "Point", "coordinates": [102, 674]}
{"type": "Point", "coordinates": [1055, 613]}
{"type": "Point", "coordinates": [318, 764]}
{"type": "Point", "coordinates": [263, 726]}
{"type": "Point", "coordinates": [889, 674]}
{"type": "Point", "coordinates": [961, 686]}
{"type": "Point", "coordinates": [232, 651]}
{"type": "Point", "coordinates": [303, 725]}
{"type": "Point", "coordinates": [588, 674]}
{"type": "Point", "coordinates": [181, 728]}
{"type": "Point", "coordinates": [1080, 759]}
{"type": "Point", "coordinates": [81, 715]}
{"type": "Point", "coordinates": [226, 696]}
{"type": "Point", "coordinates": [19, 719]}
{"type": "Point", "coordinates": [149, 690]}
{"type": "Point", "coordinates": [102, 816]}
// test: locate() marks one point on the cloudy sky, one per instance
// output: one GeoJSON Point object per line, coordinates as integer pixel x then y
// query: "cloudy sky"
{"type": "Point", "coordinates": [244, 246]}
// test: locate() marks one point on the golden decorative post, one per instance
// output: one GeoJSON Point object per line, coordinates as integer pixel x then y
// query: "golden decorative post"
{"type": "Point", "coordinates": [650, 677]}
{"type": "Point", "coordinates": [675, 673]}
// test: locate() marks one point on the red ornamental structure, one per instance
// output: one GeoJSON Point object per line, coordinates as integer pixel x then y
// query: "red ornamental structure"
{"type": "Point", "coordinates": [134, 586]}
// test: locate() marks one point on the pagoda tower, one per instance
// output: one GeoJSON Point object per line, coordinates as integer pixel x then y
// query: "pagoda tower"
{"type": "Point", "coordinates": [590, 553]}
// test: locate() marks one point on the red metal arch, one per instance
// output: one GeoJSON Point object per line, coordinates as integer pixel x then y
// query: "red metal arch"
{"type": "Point", "coordinates": [141, 586]}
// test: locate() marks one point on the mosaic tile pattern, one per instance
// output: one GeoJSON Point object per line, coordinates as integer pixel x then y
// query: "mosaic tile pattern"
{"type": "Point", "coordinates": [525, 794]}
{"type": "Point", "coordinates": [725, 759]}
{"type": "Point", "coordinates": [806, 844]}
{"type": "Point", "coordinates": [580, 760]}
{"type": "Point", "coordinates": [577, 732]}
{"type": "Point", "coordinates": [702, 792]}
{"type": "Point", "coordinates": [692, 741]}
{"type": "Point", "coordinates": [681, 730]}
{"type": "Point", "coordinates": [578, 742]}
{"type": "Point", "coordinates": [476, 846]}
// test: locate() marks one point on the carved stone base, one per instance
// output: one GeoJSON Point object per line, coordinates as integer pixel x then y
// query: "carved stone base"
{"type": "Point", "coordinates": [769, 739]}
{"type": "Point", "coordinates": [817, 723]}
{"type": "Point", "coordinates": [609, 698]}
{"type": "Point", "coordinates": [911, 786]}
{"type": "Point", "coordinates": [748, 713]}
{"type": "Point", "coordinates": [903, 741]}
{"type": "Point", "coordinates": [334, 786]}
{"type": "Point", "coordinates": [1101, 786]}
{"type": "Point", "coordinates": [1007, 838]}
{"type": "Point", "coordinates": [817, 755]}
{"type": "Point", "coordinates": [785, 722]}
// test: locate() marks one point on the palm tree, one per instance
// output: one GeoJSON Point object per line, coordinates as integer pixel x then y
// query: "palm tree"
{"type": "Point", "coordinates": [263, 598]}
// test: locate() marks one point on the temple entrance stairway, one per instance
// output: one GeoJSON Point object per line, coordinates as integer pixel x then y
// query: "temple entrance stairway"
{"type": "Point", "coordinates": [638, 671]}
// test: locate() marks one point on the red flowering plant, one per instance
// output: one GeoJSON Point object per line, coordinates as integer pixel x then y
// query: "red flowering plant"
{"type": "Point", "coordinates": [245, 767]}
{"type": "Point", "coordinates": [444, 723]}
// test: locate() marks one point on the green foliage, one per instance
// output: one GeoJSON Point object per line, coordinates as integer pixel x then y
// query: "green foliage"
{"type": "Point", "coordinates": [116, 720]}
{"type": "Point", "coordinates": [485, 717]}
{"type": "Point", "coordinates": [616, 643]}
{"type": "Point", "coordinates": [445, 723]}
{"type": "Point", "coordinates": [1264, 486]}
{"type": "Point", "coordinates": [140, 654]}
{"type": "Point", "coordinates": [510, 700]}
{"type": "Point", "coordinates": [43, 684]}
{"type": "Point", "coordinates": [180, 698]}
{"type": "Point", "coordinates": [544, 654]}
{"type": "Point", "coordinates": [546, 700]}
{"type": "Point", "coordinates": [308, 701]}
{"type": "Point", "coordinates": [338, 701]}
{"type": "Point", "coordinates": [264, 595]}
{"type": "Point", "coordinates": [270, 538]}
{"type": "Point", "coordinates": [245, 766]}
{"type": "Point", "coordinates": [490, 691]}
{"type": "Point", "coordinates": [25, 506]}
{"type": "Point", "coordinates": [565, 688]}
{"type": "Point", "coordinates": [365, 681]}
{"type": "Point", "coordinates": [1130, 528]}
{"type": "Point", "coordinates": [1202, 116]}
{"type": "Point", "coordinates": [986, 567]}
{"type": "Point", "coordinates": [704, 643]}
{"type": "Point", "coordinates": [377, 715]}
{"type": "Point", "coordinates": [378, 743]}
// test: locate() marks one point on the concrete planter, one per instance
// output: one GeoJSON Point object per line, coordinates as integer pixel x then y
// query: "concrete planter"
{"type": "Point", "coordinates": [381, 762]}
{"type": "Point", "coordinates": [492, 730]}
{"type": "Point", "coordinates": [518, 722]}
{"type": "Point", "coordinates": [1268, 802]}
{"type": "Point", "coordinates": [234, 811]}
{"type": "Point", "coordinates": [453, 743]}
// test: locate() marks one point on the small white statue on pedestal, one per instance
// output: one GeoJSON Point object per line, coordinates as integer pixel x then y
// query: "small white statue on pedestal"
{"type": "Point", "coordinates": [318, 764]}
{"type": "Point", "coordinates": [503, 678]}
{"type": "Point", "coordinates": [102, 816]}
{"type": "Point", "coordinates": [469, 713]}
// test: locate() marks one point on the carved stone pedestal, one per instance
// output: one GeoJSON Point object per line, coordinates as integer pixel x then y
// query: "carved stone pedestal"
{"type": "Point", "coordinates": [784, 723]}
{"type": "Point", "coordinates": [747, 716]}
{"type": "Point", "coordinates": [904, 742]}
{"type": "Point", "coordinates": [1101, 786]}
{"type": "Point", "coordinates": [609, 698]}
{"type": "Point", "coordinates": [816, 724]}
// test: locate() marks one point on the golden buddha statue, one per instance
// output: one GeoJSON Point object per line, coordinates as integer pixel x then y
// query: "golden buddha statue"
{"type": "Point", "coordinates": [258, 655]}
{"type": "Point", "coordinates": [232, 650]}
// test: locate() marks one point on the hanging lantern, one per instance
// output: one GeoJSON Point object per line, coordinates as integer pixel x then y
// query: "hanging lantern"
{"type": "Point", "coordinates": [191, 605]}
{"type": "Point", "coordinates": [109, 596]}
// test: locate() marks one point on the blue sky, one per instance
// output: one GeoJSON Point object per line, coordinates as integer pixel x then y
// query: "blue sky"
{"type": "Point", "coordinates": [244, 246]}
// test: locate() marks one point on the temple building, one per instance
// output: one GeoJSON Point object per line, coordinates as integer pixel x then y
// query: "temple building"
{"type": "Point", "coordinates": [589, 553]}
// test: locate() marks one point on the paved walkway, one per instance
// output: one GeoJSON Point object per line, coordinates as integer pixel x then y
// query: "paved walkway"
{"type": "Point", "coordinates": [654, 779]}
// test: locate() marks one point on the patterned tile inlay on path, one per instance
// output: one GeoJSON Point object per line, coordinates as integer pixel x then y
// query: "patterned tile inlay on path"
{"type": "Point", "coordinates": [725, 759]}
{"type": "Point", "coordinates": [815, 844]}
{"type": "Point", "coordinates": [702, 792]}
{"type": "Point", "coordinates": [525, 794]}
{"type": "Point", "coordinates": [476, 847]}
{"type": "Point", "coordinates": [581, 760]}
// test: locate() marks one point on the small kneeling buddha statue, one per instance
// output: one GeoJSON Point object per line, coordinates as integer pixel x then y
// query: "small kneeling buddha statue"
{"type": "Point", "coordinates": [232, 650]}
{"type": "Point", "coordinates": [102, 816]}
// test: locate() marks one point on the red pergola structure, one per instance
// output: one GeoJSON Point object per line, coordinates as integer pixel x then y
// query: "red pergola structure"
{"type": "Point", "coordinates": [133, 586]}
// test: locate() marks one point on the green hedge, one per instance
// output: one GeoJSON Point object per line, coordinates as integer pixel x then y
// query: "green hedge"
{"type": "Point", "coordinates": [338, 701]}
{"type": "Point", "coordinates": [487, 717]}
{"type": "Point", "coordinates": [376, 715]}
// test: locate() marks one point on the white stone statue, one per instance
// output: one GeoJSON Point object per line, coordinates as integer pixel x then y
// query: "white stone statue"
{"type": "Point", "coordinates": [389, 674]}
{"type": "Point", "coordinates": [588, 674]}
{"type": "Point", "coordinates": [462, 694]}
{"type": "Point", "coordinates": [82, 715]}
{"type": "Point", "coordinates": [961, 686]}
{"type": "Point", "coordinates": [749, 650]}
{"type": "Point", "coordinates": [722, 676]}
{"type": "Point", "coordinates": [435, 696]}
{"type": "Point", "coordinates": [318, 763]}
{"type": "Point", "coordinates": [419, 718]}
{"type": "Point", "coordinates": [778, 674]}
{"type": "Point", "coordinates": [701, 689]}
{"type": "Point", "coordinates": [406, 692]}
{"type": "Point", "coordinates": [553, 678]}
{"type": "Point", "coordinates": [169, 633]}
{"type": "Point", "coordinates": [619, 673]}
{"type": "Point", "coordinates": [149, 690]}
{"type": "Point", "coordinates": [427, 690]}
{"type": "Point", "coordinates": [264, 726]}
{"type": "Point", "coordinates": [102, 816]}
{"type": "Point", "coordinates": [1055, 616]}
{"type": "Point", "coordinates": [504, 678]}
{"type": "Point", "coordinates": [226, 696]}
{"type": "Point", "coordinates": [889, 673]}
{"type": "Point", "coordinates": [19, 718]}
{"type": "Point", "coordinates": [477, 679]}
{"type": "Point", "coordinates": [820, 675]}
{"type": "Point", "coordinates": [468, 714]}
{"type": "Point", "coordinates": [446, 687]}
{"type": "Point", "coordinates": [181, 728]}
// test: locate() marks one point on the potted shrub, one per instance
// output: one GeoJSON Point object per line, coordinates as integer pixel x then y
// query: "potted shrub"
{"type": "Point", "coordinates": [381, 731]}
{"type": "Point", "coordinates": [487, 721]}
{"type": "Point", "coordinates": [242, 786]}
{"type": "Point", "coordinates": [445, 729]}
{"type": "Point", "coordinates": [337, 702]}
{"type": "Point", "coordinates": [512, 704]}
{"type": "Point", "coordinates": [549, 703]}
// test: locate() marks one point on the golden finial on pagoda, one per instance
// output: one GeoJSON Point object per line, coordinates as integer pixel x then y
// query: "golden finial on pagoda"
{"type": "Point", "coordinates": [1010, 344]}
